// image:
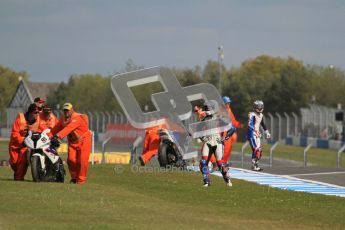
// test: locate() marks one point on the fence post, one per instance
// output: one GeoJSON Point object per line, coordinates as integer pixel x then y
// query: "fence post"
{"type": "Point", "coordinates": [90, 120]}
{"type": "Point", "coordinates": [315, 122]}
{"type": "Point", "coordinates": [242, 152]}
{"type": "Point", "coordinates": [304, 117]}
{"type": "Point", "coordinates": [115, 116]}
{"type": "Point", "coordinates": [103, 121]}
{"type": "Point", "coordinates": [271, 153]}
{"type": "Point", "coordinates": [320, 119]}
{"type": "Point", "coordinates": [287, 124]}
{"type": "Point", "coordinates": [339, 154]}
{"type": "Point", "coordinates": [271, 125]}
{"type": "Point", "coordinates": [92, 147]}
{"type": "Point", "coordinates": [121, 118]}
{"type": "Point", "coordinates": [135, 145]}
{"type": "Point", "coordinates": [279, 126]}
{"type": "Point", "coordinates": [305, 154]}
{"type": "Point", "coordinates": [97, 122]}
{"type": "Point", "coordinates": [296, 123]}
{"type": "Point", "coordinates": [103, 148]}
{"type": "Point", "coordinates": [108, 117]}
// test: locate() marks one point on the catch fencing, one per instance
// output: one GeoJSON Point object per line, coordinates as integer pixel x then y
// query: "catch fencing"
{"type": "Point", "coordinates": [315, 121]}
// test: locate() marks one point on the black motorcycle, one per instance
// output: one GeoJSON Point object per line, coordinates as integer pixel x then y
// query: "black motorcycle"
{"type": "Point", "coordinates": [168, 153]}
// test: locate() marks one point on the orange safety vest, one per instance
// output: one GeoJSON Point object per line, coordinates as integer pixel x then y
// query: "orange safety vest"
{"type": "Point", "coordinates": [234, 122]}
{"type": "Point", "coordinates": [45, 123]}
{"type": "Point", "coordinates": [74, 137]}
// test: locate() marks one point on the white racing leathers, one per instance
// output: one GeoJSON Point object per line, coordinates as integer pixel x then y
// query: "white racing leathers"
{"type": "Point", "coordinates": [253, 135]}
{"type": "Point", "coordinates": [212, 144]}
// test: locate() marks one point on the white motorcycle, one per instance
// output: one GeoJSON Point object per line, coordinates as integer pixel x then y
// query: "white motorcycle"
{"type": "Point", "coordinates": [46, 164]}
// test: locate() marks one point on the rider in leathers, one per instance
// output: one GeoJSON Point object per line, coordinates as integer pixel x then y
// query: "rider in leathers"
{"type": "Point", "coordinates": [212, 144]}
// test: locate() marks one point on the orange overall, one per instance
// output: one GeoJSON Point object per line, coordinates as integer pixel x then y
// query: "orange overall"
{"type": "Point", "coordinates": [17, 150]}
{"type": "Point", "coordinates": [233, 138]}
{"type": "Point", "coordinates": [47, 122]}
{"type": "Point", "coordinates": [79, 144]}
{"type": "Point", "coordinates": [151, 143]}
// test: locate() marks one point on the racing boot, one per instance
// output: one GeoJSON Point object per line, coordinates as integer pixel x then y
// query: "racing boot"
{"type": "Point", "coordinates": [255, 165]}
{"type": "Point", "coordinates": [225, 170]}
{"type": "Point", "coordinates": [205, 172]}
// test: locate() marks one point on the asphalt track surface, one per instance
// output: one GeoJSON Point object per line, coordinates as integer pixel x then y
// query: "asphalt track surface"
{"type": "Point", "coordinates": [334, 175]}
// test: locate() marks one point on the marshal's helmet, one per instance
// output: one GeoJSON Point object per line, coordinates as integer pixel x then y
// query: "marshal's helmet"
{"type": "Point", "coordinates": [226, 99]}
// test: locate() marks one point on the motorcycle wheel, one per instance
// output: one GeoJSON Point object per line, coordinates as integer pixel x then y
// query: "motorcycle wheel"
{"type": "Point", "coordinates": [166, 155]}
{"type": "Point", "coordinates": [60, 175]}
{"type": "Point", "coordinates": [36, 171]}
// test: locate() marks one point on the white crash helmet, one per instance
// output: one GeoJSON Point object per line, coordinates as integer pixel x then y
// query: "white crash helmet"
{"type": "Point", "coordinates": [258, 106]}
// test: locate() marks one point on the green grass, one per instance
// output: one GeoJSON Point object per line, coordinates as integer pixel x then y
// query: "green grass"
{"type": "Point", "coordinates": [4, 150]}
{"type": "Point", "coordinates": [170, 200]}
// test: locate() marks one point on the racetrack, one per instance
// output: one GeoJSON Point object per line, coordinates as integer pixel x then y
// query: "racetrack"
{"type": "Point", "coordinates": [331, 175]}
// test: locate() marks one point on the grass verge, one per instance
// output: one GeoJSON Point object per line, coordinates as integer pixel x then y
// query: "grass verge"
{"type": "Point", "coordinates": [127, 198]}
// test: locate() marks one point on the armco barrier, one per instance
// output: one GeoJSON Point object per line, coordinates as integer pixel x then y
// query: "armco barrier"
{"type": "Point", "coordinates": [289, 141]}
{"type": "Point", "coordinates": [123, 132]}
{"type": "Point", "coordinates": [317, 143]}
{"type": "Point", "coordinates": [333, 144]}
{"type": "Point", "coordinates": [321, 143]}
{"type": "Point", "coordinates": [303, 141]}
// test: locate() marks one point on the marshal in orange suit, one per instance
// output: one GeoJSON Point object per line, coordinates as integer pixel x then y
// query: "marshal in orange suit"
{"type": "Point", "coordinates": [236, 124]}
{"type": "Point", "coordinates": [47, 119]}
{"type": "Point", "coordinates": [75, 126]}
{"type": "Point", "coordinates": [151, 144]}
{"type": "Point", "coordinates": [17, 150]}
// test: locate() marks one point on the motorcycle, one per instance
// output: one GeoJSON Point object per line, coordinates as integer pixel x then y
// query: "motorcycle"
{"type": "Point", "coordinates": [168, 153]}
{"type": "Point", "coordinates": [46, 164]}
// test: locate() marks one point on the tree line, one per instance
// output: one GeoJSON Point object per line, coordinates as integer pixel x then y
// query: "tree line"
{"type": "Point", "coordinates": [284, 84]}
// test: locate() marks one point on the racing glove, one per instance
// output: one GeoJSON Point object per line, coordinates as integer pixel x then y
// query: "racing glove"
{"type": "Point", "coordinates": [55, 142]}
{"type": "Point", "coordinates": [268, 135]}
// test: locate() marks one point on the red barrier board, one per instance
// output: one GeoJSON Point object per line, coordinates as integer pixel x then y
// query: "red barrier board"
{"type": "Point", "coordinates": [123, 132]}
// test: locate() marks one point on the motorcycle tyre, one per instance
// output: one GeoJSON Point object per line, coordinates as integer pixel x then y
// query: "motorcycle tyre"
{"type": "Point", "coordinates": [35, 166]}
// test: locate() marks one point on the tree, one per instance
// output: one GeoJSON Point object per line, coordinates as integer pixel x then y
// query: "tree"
{"type": "Point", "coordinates": [86, 92]}
{"type": "Point", "coordinates": [211, 73]}
{"type": "Point", "coordinates": [281, 83]}
{"type": "Point", "coordinates": [188, 76]}
{"type": "Point", "coordinates": [9, 80]}
{"type": "Point", "coordinates": [327, 85]}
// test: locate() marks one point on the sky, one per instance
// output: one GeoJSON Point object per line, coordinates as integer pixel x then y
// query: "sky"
{"type": "Point", "coordinates": [53, 39]}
